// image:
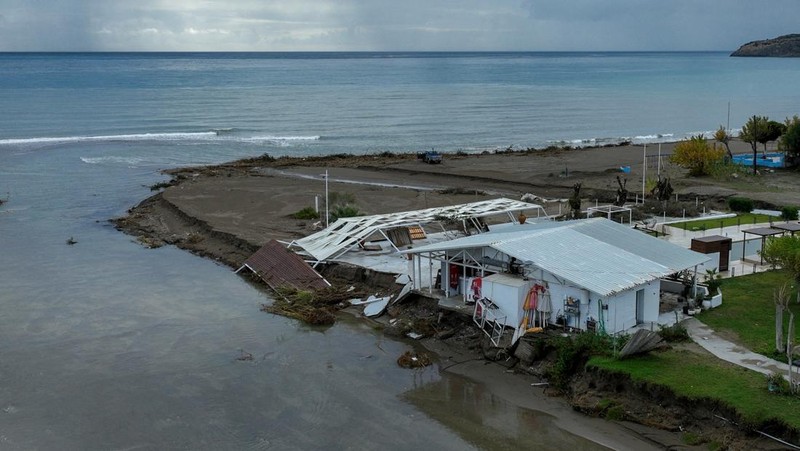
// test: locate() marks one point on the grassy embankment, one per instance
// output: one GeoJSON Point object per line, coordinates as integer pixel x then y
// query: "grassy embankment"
{"type": "Point", "coordinates": [747, 315]}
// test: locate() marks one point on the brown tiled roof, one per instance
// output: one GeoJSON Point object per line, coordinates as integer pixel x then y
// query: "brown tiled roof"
{"type": "Point", "coordinates": [280, 267]}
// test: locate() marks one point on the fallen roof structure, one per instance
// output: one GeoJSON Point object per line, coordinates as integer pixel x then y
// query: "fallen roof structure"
{"type": "Point", "coordinates": [280, 267]}
{"type": "Point", "coordinates": [346, 233]}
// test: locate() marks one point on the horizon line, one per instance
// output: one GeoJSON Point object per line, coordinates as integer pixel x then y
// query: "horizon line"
{"type": "Point", "coordinates": [356, 51]}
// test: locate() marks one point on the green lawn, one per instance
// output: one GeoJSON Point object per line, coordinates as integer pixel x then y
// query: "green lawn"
{"type": "Point", "coordinates": [747, 315]}
{"type": "Point", "coordinates": [748, 310]}
{"type": "Point", "coordinates": [744, 219]}
{"type": "Point", "coordinates": [695, 376]}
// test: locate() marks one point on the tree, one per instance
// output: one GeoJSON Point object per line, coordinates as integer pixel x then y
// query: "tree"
{"type": "Point", "coordinates": [575, 202]}
{"type": "Point", "coordinates": [753, 132]}
{"type": "Point", "coordinates": [781, 298]}
{"type": "Point", "coordinates": [790, 141]}
{"type": "Point", "coordinates": [784, 251]}
{"type": "Point", "coordinates": [774, 131]}
{"type": "Point", "coordinates": [663, 189]}
{"type": "Point", "coordinates": [696, 155]}
{"type": "Point", "coordinates": [622, 192]}
{"type": "Point", "coordinates": [723, 137]}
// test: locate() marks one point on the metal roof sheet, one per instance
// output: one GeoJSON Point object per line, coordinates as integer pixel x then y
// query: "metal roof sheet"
{"type": "Point", "coordinates": [595, 254]}
{"type": "Point", "coordinates": [277, 267]}
{"type": "Point", "coordinates": [345, 233]}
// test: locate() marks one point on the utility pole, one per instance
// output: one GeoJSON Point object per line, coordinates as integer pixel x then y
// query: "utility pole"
{"type": "Point", "coordinates": [659, 162]}
{"type": "Point", "coordinates": [644, 170]}
{"type": "Point", "coordinates": [728, 129]}
{"type": "Point", "coordinates": [327, 214]}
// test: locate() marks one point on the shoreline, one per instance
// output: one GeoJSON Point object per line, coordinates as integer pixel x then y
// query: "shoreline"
{"type": "Point", "coordinates": [225, 212]}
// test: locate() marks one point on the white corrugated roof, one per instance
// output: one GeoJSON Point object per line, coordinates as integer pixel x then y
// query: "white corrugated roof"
{"type": "Point", "coordinates": [345, 233]}
{"type": "Point", "coordinates": [596, 254]}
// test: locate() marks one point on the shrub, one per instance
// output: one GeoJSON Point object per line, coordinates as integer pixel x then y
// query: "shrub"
{"type": "Point", "coordinates": [572, 353]}
{"type": "Point", "coordinates": [675, 333]}
{"type": "Point", "coordinates": [692, 439]}
{"type": "Point", "coordinates": [344, 211]}
{"type": "Point", "coordinates": [697, 155]}
{"type": "Point", "coordinates": [789, 213]}
{"type": "Point", "coordinates": [194, 238]}
{"type": "Point", "coordinates": [777, 384]}
{"type": "Point", "coordinates": [337, 198]}
{"type": "Point", "coordinates": [306, 213]}
{"type": "Point", "coordinates": [459, 190]}
{"type": "Point", "coordinates": [740, 204]}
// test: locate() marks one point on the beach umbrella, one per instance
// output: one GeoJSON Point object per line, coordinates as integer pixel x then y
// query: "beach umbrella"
{"type": "Point", "coordinates": [544, 307]}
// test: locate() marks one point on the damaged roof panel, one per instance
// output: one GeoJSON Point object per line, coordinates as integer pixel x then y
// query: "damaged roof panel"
{"type": "Point", "coordinates": [280, 267]}
{"type": "Point", "coordinates": [345, 233]}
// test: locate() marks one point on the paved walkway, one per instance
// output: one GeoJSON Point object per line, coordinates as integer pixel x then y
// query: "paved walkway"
{"type": "Point", "coordinates": [725, 350]}
{"type": "Point", "coordinates": [703, 334]}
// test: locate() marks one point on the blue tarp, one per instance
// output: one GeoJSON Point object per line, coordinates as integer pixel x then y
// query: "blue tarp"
{"type": "Point", "coordinates": [770, 160]}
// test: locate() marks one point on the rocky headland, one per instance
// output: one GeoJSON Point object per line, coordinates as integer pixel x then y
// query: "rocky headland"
{"type": "Point", "coordinates": [787, 46]}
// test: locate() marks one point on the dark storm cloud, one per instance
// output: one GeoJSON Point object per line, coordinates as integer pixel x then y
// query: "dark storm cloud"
{"type": "Point", "coordinates": [391, 25]}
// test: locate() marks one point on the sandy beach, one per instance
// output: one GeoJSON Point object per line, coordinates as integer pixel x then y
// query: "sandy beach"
{"type": "Point", "coordinates": [226, 212]}
{"type": "Point", "coordinates": [249, 202]}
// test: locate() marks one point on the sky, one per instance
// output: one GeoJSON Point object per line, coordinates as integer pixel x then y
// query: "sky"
{"type": "Point", "coordinates": [397, 25]}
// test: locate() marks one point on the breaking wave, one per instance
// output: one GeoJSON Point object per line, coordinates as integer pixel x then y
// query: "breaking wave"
{"type": "Point", "coordinates": [282, 141]}
{"type": "Point", "coordinates": [224, 134]}
{"type": "Point", "coordinates": [128, 137]}
{"type": "Point", "coordinates": [130, 161]}
{"type": "Point", "coordinates": [638, 139]}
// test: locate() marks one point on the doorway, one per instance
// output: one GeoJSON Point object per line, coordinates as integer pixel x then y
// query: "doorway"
{"type": "Point", "coordinates": [639, 306]}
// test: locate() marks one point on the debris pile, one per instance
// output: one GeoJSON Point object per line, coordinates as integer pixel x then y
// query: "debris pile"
{"type": "Point", "coordinates": [411, 359]}
{"type": "Point", "coordinates": [316, 307]}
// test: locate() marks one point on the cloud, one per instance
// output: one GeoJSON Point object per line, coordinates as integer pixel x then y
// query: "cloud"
{"type": "Point", "coordinates": [536, 25]}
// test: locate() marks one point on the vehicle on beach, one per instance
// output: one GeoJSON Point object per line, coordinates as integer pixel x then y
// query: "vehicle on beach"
{"type": "Point", "coordinates": [430, 157]}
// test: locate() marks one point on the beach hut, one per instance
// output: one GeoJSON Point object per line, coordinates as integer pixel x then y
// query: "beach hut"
{"type": "Point", "coordinates": [582, 273]}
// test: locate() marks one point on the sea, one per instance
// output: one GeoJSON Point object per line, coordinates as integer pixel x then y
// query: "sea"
{"type": "Point", "coordinates": [107, 345]}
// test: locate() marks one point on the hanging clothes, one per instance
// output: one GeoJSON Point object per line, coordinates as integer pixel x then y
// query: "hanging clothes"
{"type": "Point", "coordinates": [475, 290]}
{"type": "Point", "coordinates": [453, 274]}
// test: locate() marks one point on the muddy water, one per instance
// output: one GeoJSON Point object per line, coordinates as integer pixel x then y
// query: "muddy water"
{"type": "Point", "coordinates": [491, 422]}
{"type": "Point", "coordinates": [107, 345]}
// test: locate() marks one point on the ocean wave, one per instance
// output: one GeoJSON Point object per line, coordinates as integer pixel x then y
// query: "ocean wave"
{"type": "Point", "coordinates": [654, 138]}
{"type": "Point", "coordinates": [285, 138]}
{"type": "Point", "coordinates": [100, 138]}
{"type": "Point", "coordinates": [281, 141]}
{"type": "Point", "coordinates": [130, 161]}
{"type": "Point", "coordinates": [222, 134]}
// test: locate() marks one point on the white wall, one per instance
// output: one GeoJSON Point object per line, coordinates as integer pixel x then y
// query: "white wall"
{"type": "Point", "coordinates": [621, 313]}
{"type": "Point", "coordinates": [619, 316]}
{"type": "Point", "coordinates": [509, 293]}
{"type": "Point", "coordinates": [558, 293]}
